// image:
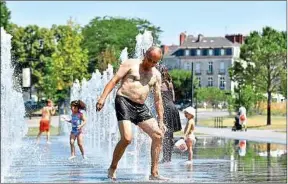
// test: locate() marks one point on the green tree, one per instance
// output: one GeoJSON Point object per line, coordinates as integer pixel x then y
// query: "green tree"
{"type": "Point", "coordinates": [266, 53]}
{"type": "Point", "coordinates": [108, 56]}
{"type": "Point", "coordinates": [70, 61]}
{"type": "Point", "coordinates": [247, 97]}
{"type": "Point", "coordinates": [283, 86]}
{"type": "Point", "coordinates": [103, 33]}
{"type": "Point", "coordinates": [32, 47]}
{"type": "Point", "coordinates": [182, 83]}
{"type": "Point", "coordinates": [211, 95]}
{"type": "Point", "coordinates": [5, 16]}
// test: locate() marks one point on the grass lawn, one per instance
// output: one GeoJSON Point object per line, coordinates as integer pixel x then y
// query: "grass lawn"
{"type": "Point", "coordinates": [33, 131]}
{"type": "Point", "coordinates": [257, 122]}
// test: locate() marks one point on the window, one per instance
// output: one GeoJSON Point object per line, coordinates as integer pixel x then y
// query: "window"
{"type": "Point", "coordinates": [187, 52]}
{"type": "Point", "coordinates": [222, 83]}
{"type": "Point", "coordinates": [210, 81]}
{"type": "Point", "coordinates": [222, 65]}
{"type": "Point", "coordinates": [222, 68]}
{"type": "Point", "coordinates": [210, 66]}
{"type": "Point", "coordinates": [210, 52]}
{"type": "Point", "coordinates": [222, 52]}
{"type": "Point", "coordinates": [198, 70]}
{"type": "Point", "coordinates": [199, 80]}
{"type": "Point", "coordinates": [179, 53]}
{"type": "Point", "coordinates": [217, 52]}
{"type": "Point", "coordinates": [205, 52]}
{"type": "Point", "coordinates": [198, 52]}
{"type": "Point", "coordinates": [193, 52]}
{"type": "Point", "coordinates": [228, 51]}
{"type": "Point", "coordinates": [188, 66]}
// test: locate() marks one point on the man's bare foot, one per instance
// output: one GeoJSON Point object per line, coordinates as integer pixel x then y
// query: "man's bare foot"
{"type": "Point", "coordinates": [84, 157]}
{"type": "Point", "coordinates": [159, 178]}
{"type": "Point", "coordinates": [72, 157]}
{"type": "Point", "coordinates": [111, 174]}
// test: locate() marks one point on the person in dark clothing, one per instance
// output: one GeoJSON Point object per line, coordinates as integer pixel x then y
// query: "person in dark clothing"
{"type": "Point", "coordinates": [171, 113]}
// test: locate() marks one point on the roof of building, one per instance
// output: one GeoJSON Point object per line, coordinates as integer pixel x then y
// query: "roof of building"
{"type": "Point", "coordinates": [171, 49]}
{"type": "Point", "coordinates": [207, 42]}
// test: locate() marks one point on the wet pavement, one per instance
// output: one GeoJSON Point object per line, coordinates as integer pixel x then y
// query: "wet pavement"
{"type": "Point", "coordinates": [214, 160]}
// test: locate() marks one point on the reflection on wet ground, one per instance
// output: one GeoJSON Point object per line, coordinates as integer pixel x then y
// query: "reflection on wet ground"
{"type": "Point", "coordinates": [214, 160]}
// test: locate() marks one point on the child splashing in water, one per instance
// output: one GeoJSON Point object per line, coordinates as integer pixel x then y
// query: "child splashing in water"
{"type": "Point", "coordinates": [47, 112]}
{"type": "Point", "coordinates": [78, 120]}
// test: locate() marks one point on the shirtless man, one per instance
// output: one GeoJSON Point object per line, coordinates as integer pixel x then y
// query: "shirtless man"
{"type": "Point", "coordinates": [47, 112]}
{"type": "Point", "coordinates": [138, 77]}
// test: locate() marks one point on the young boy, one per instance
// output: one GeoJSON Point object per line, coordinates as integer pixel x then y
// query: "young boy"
{"type": "Point", "coordinates": [47, 112]}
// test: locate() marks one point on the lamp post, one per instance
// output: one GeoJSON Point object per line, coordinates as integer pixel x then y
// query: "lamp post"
{"type": "Point", "coordinates": [192, 85]}
{"type": "Point", "coordinates": [32, 32]}
{"type": "Point", "coordinates": [196, 107]}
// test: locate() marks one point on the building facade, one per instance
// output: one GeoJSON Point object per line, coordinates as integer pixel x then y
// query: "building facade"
{"type": "Point", "coordinates": [211, 58]}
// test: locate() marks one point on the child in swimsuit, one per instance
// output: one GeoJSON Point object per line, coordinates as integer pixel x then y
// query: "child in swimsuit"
{"type": "Point", "coordinates": [189, 130]}
{"type": "Point", "coordinates": [47, 112]}
{"type": "Point", "coordinates": [78, 120]}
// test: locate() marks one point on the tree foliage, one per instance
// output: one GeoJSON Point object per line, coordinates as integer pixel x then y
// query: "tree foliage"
{"type": "Point", "coordinates": [54, 55]}
{"type": "Point", "coordinates": [211, 95]}
{"type": "Point", "coordinates": [32, 47]}
{"type": "Point", "coordinates": [262, 63]}
{"type": "Point", "coordinates": [182, 83]}
{"type": "Point", "coordinates": [70, 61]}
{"type": "Point", "coordinates": [113, 34]}
{"type": "Point", "coordinates": [5, 16]}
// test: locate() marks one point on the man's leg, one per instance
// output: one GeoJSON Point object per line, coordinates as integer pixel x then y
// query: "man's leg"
{"type": "Point", "coordinates": [152, 129]}
{"type": "Point", "coordinates": [125, 129]}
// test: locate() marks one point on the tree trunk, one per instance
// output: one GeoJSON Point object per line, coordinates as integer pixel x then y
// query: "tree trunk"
{"type": "Point", "coordinates": [269, 108]}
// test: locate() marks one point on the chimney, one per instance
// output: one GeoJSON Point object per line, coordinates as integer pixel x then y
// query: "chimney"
{"type": "Point", "coordinates": [182, 38]}
{"type": "Point", "coordinates": [165, 49]}
{"type": "Point", "coordinates": [240, 39]}
{"type": "Point", "coordinates": [200, 37]}
{"type": "Point", "coordinates": [235, 38]}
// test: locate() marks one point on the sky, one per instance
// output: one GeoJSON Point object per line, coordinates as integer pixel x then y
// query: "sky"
{"type": "Point", "coordinates": [210, 18]}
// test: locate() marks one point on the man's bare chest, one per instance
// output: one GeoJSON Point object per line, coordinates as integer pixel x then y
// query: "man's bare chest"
{"type": "Point", "coordinates": [144, 78]}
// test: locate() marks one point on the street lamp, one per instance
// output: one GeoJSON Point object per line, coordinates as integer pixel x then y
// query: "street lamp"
{"type": "Point", "coordinates": [196, 107]}
{"type": "Point", "coordinates": [192, 85]}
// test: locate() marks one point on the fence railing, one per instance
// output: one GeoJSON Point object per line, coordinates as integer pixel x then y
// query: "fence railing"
{"type": "Point", "coordinates": [218, 122]}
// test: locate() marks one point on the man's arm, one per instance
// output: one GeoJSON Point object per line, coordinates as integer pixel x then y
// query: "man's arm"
{"type": "Point", "coordinates": [123, 70]}
{"type": "Point", "coordinates": [158, 100]}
